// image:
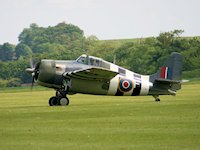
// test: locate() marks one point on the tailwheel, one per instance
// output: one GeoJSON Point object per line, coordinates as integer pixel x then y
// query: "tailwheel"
{"type": "Point", "coordinates": [53, 101]}
{"type": "Point", "coordinates": [63, 101]}
{"type": "Point", "coordinates": [157, 99]}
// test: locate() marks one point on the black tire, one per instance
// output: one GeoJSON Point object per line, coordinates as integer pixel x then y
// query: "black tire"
{"type": "Point", "coordinates": [157, 99]}
{"type": "Point", "coordinates": [53, 101]}
{"type": "Point", "coordinates": [63, 101]}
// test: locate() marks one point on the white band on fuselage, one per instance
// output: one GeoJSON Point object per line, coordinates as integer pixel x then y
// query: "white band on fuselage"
{"type": "Point", "coordinates": [114, 85]}
{"type": "Point", "coordinates": [145, 85]}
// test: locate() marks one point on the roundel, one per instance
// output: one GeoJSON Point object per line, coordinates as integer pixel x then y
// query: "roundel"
{"type": "Point", "coordinates": [125, 85]}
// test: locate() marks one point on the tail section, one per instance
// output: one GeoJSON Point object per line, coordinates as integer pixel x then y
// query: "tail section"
{"type": "Point", "coordinates": [172, 68]}
{"type": "Point", "coordinates": [167, 80]}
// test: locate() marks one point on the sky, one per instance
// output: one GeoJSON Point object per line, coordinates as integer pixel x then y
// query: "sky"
{"type": "Point", "coordinates": [106, 19]}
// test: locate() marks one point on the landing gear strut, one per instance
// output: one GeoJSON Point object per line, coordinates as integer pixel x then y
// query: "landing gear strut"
{"type": "Point", "coordinates": [157, 99]}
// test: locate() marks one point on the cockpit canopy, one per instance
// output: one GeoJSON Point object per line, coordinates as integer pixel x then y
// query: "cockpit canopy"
{"type": "Point", "coordinates": [93, 61]}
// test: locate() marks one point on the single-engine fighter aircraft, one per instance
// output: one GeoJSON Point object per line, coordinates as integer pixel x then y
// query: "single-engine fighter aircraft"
{"type": "Point", "coordinates": [92, 75]}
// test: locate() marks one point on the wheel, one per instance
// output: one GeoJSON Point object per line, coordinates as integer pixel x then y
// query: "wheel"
{"type": "Point", "coordinates": [157, 99]}
{"type": "Point", "coordinates": [63, 101]}
{"type": "Point", "coordinates": [53, 101]}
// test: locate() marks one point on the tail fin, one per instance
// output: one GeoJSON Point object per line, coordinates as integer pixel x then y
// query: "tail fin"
{"type": "Point", "coordinates": [171, 69]}
{"type": "Point", "coordinates": [168, 77]}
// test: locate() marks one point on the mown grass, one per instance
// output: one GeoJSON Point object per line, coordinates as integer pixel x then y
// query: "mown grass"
{"type": "Point", "coordinates": [100, 122]}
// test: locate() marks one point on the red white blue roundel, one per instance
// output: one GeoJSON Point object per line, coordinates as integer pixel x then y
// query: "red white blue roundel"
{"type": "Point", "coordinates": [125, 85]}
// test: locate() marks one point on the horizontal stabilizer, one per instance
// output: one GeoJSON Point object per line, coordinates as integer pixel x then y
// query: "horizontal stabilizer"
{"type": "Point", "coordinates": [167, 81]}
{"type": "Point", "coordinates": [184, 81]}
{"type": "Point", "coordinates": [171, 85]}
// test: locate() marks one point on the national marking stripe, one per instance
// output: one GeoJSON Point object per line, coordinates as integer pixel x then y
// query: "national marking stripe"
{"type": "Point", "coordinates": [163, 73]}
{"type": "Point", "coordinates": [166, 72]}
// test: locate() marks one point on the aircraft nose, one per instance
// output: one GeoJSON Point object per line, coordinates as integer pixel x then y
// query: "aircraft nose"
{"type": "Point", "coordinates": [34, 71]}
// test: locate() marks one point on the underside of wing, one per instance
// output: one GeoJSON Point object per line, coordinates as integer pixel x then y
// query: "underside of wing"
{"type": "Point", "coordinates": [91, 74]}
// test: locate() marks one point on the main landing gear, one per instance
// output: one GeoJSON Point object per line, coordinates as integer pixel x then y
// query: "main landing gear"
{"type": "Point", "coordinates": [61, 95]}
{"type": "Point", "coordinates": [60, 99]}
{"type": "Point", "coordinates": [157, 99]}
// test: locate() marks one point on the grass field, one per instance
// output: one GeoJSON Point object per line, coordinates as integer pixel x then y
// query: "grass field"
{"type": "Point", "coordinates": [100, 122]}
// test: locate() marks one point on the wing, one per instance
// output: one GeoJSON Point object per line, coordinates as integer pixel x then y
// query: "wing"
{"type": "Point", "coordinates": [91, 74]}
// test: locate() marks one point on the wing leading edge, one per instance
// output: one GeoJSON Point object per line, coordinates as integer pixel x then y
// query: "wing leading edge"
{"type": "Point", "coordinates": [93, 73]}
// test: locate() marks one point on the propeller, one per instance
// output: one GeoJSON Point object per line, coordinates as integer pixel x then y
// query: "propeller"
{"type": "Point", "coordinates": [34, 71]}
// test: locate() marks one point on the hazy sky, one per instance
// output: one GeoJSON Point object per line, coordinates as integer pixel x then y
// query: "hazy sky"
{"type": "Point", "coordinates": [107, 19]}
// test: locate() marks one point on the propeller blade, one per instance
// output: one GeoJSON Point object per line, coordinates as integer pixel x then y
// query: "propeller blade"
{"type": "Point", "coordinates": [31, 63]}
{"type": "Point", "coordinates": [34, 71]}
{"type": "Point", "coordinates": [37, 65]}
{"type": "Point", "coordinates": [30, 70]}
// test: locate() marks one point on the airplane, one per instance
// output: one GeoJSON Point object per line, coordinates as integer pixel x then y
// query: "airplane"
{"type": "Point", "coordinates": [93, 75]}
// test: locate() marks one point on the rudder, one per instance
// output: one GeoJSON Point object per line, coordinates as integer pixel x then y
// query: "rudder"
{"type": "Point", "coordinates": [171, 69]}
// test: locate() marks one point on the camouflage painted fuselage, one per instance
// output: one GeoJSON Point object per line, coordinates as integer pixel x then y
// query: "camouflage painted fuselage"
{"type": "Point", "coordinates": [53, 73]}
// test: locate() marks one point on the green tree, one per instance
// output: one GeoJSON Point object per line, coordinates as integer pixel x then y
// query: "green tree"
{"type": "Point", "coordinates": [165, 39]}
{"type": "Point", "coordinates": [3, 83]}
{"type": "Point", "coordinates": [13, 82]}
{"type": "Point", "coordinates": [63, 41]}
{"type": "Point", "coordinates": [192, 55]}
{"type": "Point", "coordinates": [7, 52]}
{"type": "Point", "coordinates": [23, 50]}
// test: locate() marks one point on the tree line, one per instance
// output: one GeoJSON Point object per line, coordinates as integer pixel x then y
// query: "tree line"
{"type": "Point", "coordinates": [67, 41]}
